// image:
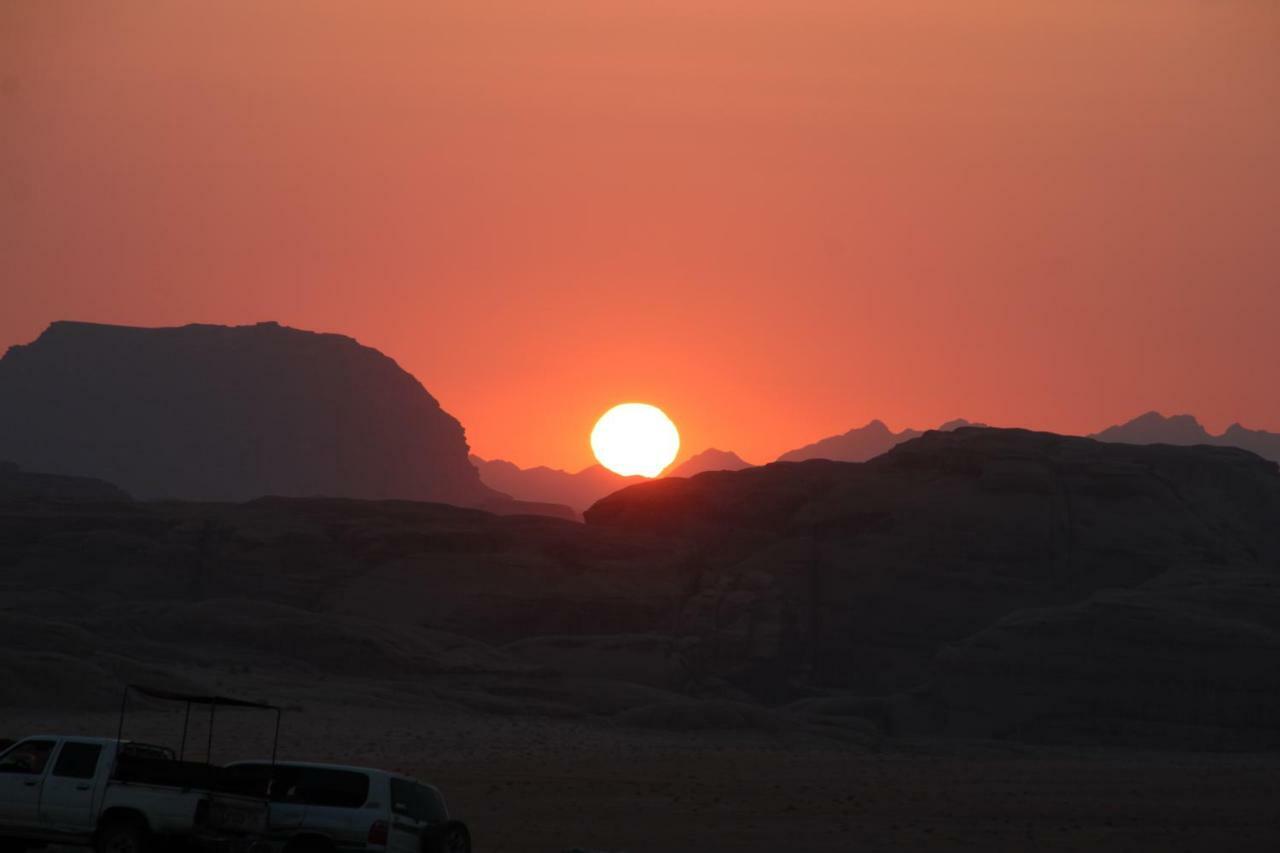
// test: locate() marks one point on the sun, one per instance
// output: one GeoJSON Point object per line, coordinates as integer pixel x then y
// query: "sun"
{"type": "Point", "coordinates": [635, 438]}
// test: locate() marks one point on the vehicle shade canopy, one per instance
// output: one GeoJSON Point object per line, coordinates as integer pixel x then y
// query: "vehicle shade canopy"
{"type": "Point", "coordinates": [197, 699]}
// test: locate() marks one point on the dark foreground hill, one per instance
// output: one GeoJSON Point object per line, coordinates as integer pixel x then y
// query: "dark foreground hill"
{"type": "Point", "coordinates": [999, 582]}
{"type": "Point", "coordinates": [229, 413]}
{"type": "Point", "coordinates": [991, 583]}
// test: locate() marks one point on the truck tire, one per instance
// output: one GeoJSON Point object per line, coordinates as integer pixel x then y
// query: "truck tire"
{"type": "Point", "coordinates": [122, 836]}
{"type": "Point", "coordinates": [451, 837]}
{"type": "Point", "coordinates": [309, 844]}
{"type": "Point", "coordinates": [17, 845]}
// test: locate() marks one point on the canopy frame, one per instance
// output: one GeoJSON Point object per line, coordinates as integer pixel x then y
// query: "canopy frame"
{"type": "Point", "coordinates": [189, 699]}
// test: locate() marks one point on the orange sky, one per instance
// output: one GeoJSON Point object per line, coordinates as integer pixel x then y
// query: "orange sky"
{"type": "Point", "coordinates": [776, 220]}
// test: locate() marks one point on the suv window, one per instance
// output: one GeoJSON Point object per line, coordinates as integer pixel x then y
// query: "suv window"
{"type": "Point", "coordinates": [28, 757]}
{"type": "Point", "coordinates": [77, 760]}
{"type": "Point", "coordinates": [418, 802]}
{"type": "Point", "coordinates": [437, 812]}
{"type": "Point", "coordinates": [319, 786]}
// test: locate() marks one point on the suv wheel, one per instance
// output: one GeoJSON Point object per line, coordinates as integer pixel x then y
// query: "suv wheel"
{"type": "Point", "coordinates": [452, 837]}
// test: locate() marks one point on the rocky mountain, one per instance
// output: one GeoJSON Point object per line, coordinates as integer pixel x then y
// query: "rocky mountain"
{"type": "Point", "coordinates": [709, 460]}
{"type": "Point", "coordinates": [1265, 444]}
{"type": "Point", "coordinates": [577, 490]}
{"type": "Point", "coordinates": [1155, 428]}
{"type": "Point", "coordinates": [976, 583]}
{"type": "Point", "coordinates": [861, 443]}
{"type": "Point", "coordinates": [998, 583]}
{"type": "Point", "coordinates": [19, 485]}
{"type": "Point", "coordinates": [207, 412]}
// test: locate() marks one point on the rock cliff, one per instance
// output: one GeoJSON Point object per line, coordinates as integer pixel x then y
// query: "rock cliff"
{"type": "Point", "coordinates": [206, 412]}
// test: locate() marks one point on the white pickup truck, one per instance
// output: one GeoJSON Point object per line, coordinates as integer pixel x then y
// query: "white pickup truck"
{"type": "Point", "coordinates": [121, 797]}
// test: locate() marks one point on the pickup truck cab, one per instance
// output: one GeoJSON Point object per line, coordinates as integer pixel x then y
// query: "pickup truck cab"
{"type": "Point", "coordinates": [119, 797]}
{"type": "Point", "coordinates": [336, 808]}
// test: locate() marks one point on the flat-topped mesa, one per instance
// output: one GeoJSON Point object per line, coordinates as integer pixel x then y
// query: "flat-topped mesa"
{"type": "Point", "coordinates": [205, 412]}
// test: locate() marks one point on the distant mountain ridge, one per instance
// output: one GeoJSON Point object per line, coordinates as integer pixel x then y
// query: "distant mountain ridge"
{"type": "Point", "coordinates": [581, 489]}
{"type": "Point", "coordinates": [231, 413]}
{"type": "Point", "coordinates": [862, 443]}
{"type": "Point", "coordinates": [709, 460]}
{"type": "Point", "coordinates": [1185, 430]}
{"type": "Point", "coordinates": [577, 490]}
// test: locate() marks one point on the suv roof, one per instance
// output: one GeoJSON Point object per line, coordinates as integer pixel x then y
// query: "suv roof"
{"type": "Point", "coordinates": [319, 765]}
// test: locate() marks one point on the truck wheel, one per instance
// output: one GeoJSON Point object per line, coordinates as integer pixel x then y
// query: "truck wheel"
{"type": "Point", "coordinates": [309, 844]}
{"type": "Point", "coordinates": [14, 845]}
{"type": "Point", "coordinates": [122, 836]}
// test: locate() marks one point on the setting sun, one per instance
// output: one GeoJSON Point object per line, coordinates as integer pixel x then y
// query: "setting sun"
{"type": "Point", "coordinates": [635, 438]}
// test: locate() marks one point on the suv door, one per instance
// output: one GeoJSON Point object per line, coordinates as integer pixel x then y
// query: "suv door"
{"type": "Point", "coordinates": [22, 772]}
{"type": "Point", "coordinates": [408, 816]}
{"type": "Point", "coordinates": [67, 801]}
{"type": "Point", "coordinates": [335, 801]}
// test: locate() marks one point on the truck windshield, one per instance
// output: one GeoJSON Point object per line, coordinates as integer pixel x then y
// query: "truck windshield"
{"type": "Point", "coordinates": [28, 757]}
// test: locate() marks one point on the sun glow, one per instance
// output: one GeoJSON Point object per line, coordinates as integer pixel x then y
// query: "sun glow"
{"type": "Point", "coordinates": [635, 438]}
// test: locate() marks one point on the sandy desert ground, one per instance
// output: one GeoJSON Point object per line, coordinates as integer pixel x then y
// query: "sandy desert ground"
{"type": "Point", "coordinates": [543, 784]}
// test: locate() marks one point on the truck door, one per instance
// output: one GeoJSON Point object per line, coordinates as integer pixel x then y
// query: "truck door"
{"type": "Point", "coordinates": [22, 773]}
{"type": "Point", "coordinates": [69, 799]}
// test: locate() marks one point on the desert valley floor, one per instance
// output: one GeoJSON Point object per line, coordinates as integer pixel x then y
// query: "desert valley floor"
{"type": "Point", "coordinates": [545, 784]}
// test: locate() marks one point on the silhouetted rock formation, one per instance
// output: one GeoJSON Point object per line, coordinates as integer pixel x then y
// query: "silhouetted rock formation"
{"type": "Point", "coordinates": [19, 485]}
{"type": "Point", "coordinates": [229, 413]}
{"type": "Point", "coordinates": [861, 444]}
{"type": "Point", "coordinates": [969, 572]}
{"type": "Point", "coordinates": [993, 583]}
{"type": "Point", "coordinates": [709, 460]}
{"type": "Point", "coordinates": [1155, 428]}
{"type": "Point", "coordinates": [551, 485]}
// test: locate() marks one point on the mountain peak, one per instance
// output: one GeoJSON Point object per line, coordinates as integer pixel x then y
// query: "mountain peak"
{"type": "Point", "coordinates": [208, 412]}
{"type": "Point", "coordinates": [1155, 428]}
{"type": "Point", "coordinates": [711, 459]}
{"type": "Point", "coordinates": [856, 445]}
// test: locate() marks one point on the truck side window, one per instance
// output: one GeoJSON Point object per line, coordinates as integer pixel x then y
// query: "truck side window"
{"type": "Point", "coordinates": [77, 760]}
{"type": "Point", "coordinates": [28, 757]}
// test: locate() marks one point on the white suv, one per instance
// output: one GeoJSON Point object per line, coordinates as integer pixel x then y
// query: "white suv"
{"type": "Point", "coordinates": [333, 808]}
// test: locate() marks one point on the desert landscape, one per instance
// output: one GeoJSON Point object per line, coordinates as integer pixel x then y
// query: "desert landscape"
{"type": "Point", "coordinates": [665, 426]}
{"type": "Point", "coordinates": [982, 639]}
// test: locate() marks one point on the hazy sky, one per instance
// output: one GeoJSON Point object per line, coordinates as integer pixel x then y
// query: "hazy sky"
{"type": "Point", "coordinates": [776, 220]}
